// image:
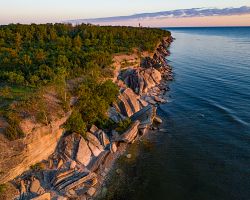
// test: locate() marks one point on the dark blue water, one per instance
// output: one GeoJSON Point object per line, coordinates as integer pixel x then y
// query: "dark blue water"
{"type": "Point", "coordinates": [205, 154]}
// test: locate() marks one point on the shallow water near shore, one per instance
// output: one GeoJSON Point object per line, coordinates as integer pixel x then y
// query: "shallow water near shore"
{"type": "Point", "coordinates": [205, 153]}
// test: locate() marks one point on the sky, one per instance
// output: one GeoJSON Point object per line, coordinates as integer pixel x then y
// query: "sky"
{"type": "Point", "coordinates": [50, 11]}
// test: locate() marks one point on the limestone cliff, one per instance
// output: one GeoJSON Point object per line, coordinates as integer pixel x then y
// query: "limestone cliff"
{"type": "Point", "coordinates": [17, 156]}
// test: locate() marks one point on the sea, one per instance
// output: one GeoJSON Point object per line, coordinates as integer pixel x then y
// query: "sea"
{"type": "Point", "coordinates": [202, 151]}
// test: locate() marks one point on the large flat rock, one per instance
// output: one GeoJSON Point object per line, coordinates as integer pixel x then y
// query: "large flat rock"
{"type": "Point", "coordinates": [84, 154]}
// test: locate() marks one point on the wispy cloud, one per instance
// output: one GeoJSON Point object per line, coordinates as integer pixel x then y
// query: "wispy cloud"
{"type": "Point", "coordinates": [181, 13]}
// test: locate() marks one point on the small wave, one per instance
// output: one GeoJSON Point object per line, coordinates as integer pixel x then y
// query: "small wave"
{"type": "Point", "coordinates": [227, 112]}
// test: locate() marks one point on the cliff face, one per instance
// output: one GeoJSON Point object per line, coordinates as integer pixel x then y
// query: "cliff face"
{"type": "Point", "coordinates": [17, 156]}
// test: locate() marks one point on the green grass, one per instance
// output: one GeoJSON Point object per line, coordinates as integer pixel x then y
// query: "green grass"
{"type": "Point", "coordinates": [16, 93]}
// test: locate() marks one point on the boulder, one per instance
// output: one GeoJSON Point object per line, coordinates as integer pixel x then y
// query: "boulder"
{"type": "Point", "coordinates": [92, 182]}
{"type": "Point", "coordinates": [121, 84]}
{"type": "Point", "coordinates": [81, 192]}
{"type": "Point", "coordinates": [143, 131]}
{"type": "Point", "coordinates": [91, 191]}
{"type": "Point", "coordinates": [160, 100]}
{"type": "Point", "coordinates": [145, 116]}
{"type": "Point", "coordinates": [128, 102]}
{"type": "Point", "coordinates": [143, 103]}
{"type": "Point", "coordinates": [67, 145]}
{"type": "Point", "coordinates": [45, 196]}
{"type": "Point", "coordinates": [103, 138]}
{"type": "Point", "coordinates": [113, 147]}
{"type": "Point", "coordinates": [149, 82]}
{"type": "Point", "coordinates": [129, 156]}
{"type": "Point", "coordinates": [78, 181]}
{"type": "Point", "coordinates": [83, 154]}
{"type": "Point", "coordinates": [60, 198]}
{"type": "Point", "coordinates": [94, 140]}
{"type": "Point", "coordinates": [71, 193]}
{"type": "Point", "coordinates": [157, 120]}
{"type": "Point", "coordinates": [156, 75]}
{"type": "Point", "coordinates": [22, 187]}
{"type": "Point", "coordinates": [72, 164]}
{"type": "Point", "coordinates": [151, 101]}
{"type": "Point", "coordinates": [35, 187]}
{"type": "Point", "coordinates": [141, 84]}
{"type": "Point", "coordinates": [96, 162]}
{"type": "Point", "coordinates": [130, 135]}
{"type": "Point", "coordinates": [60, 164]}
{"type": "Point", "coordinates": [95, 151]}
{"type": "Point", "coordinates": [115, 115]}
{"type": "Point", "coordinates": [115, 135]}
{"type": "Point", "coordinates": [131, 79]}
{"type": "Point", "coordinates": [93, 129]}
{"type": "Point", "coordinates": [124, 106]}
{"type": "Point", "coordinates": [131, 98]}
{"type": "Point", "coordinates": [70, 179]}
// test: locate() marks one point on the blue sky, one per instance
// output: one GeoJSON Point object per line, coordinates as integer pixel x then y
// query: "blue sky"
{"type": "Point", "coordinates": [41, 11]}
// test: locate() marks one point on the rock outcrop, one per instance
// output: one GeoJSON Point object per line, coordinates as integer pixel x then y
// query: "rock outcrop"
{"type": "Point", "coordinates": [83, 155]}
{"type": "Point", "coordinates": [130, 135]}
{"type": "Point", "coordinates": [141, 79]}
{"type": "Point", "coordinates": [128, 102]}
{"type": "Point", "coordinates": [17, 156]}
{"type": "Point", "coordinates": [45, 196]}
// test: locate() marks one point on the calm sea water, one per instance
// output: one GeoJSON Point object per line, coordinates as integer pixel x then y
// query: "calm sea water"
{"type": "Point", "coordinates": [205, 153]}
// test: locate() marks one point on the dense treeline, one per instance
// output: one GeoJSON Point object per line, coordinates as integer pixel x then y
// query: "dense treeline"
{"type": "Point", "coordinates": [39, 59]}
{"type": "Point", "coordinates": [36, 54]}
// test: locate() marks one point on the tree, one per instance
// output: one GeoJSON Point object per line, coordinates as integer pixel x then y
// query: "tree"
{"type": "Point", "coordinates": [40, 55]}
{"type": "Point", "coordinates": [62, 61]}
{"type": "Point", "coordinates": [77, 42]}
{"type": "Point", "coordinates": [27, 60]}
{"type": "Point", "coordinates": [52, 34]}
{"type": "Point", "coordinates": [5, 92]}
{"type": "Point", "coordinates": [14, 78]}
{"type": "Point", "coordinates": [18, 41]}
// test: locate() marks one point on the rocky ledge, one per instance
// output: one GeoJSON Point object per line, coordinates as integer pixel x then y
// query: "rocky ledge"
{"type": "Point", "coordinates": [79, 166]}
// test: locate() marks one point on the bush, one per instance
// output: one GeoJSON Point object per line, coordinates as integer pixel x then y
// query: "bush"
{"type": "Point", "coordinates": [107, 124]}
{"type": "Point", "coordinates": [13, 130]}
{"type": "Point", "coordinates": [5, 92]}
{"type": "Point", "coordinates": [3, 187]}
{"type": "Point", "coordinates": [76, 124]}
{"type": "Point", "coordinates": [38, 166]}
{"type": "Point", "coordinates": [123, 125]}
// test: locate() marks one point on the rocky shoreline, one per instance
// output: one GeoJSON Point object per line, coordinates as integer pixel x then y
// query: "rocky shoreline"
{"type": "Point", "coordinates": [80, 165]}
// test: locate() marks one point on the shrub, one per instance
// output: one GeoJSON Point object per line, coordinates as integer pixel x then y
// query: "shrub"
{"type": "Point", "coordinates": [123, 125]}
{"type": "Point", "coordinates": [13, 130]}
{"type": "Point", "coordinates": [76, 124]}
{"type": "Point", "coordinates": [107, 124]}
{"type": "Point", "coordinates": [5, 92]}
{"type": "Point", "coordinates": [3, 187]}
{"type": "Point", "coordinates": [38, 166]}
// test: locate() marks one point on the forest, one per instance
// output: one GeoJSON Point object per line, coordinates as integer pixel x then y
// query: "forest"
{"type": "Point", "coordinates": [36, 56]}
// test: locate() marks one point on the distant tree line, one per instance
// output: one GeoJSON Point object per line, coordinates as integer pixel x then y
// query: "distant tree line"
{"type": "Point", "coordinates": [36, 54]}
